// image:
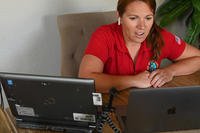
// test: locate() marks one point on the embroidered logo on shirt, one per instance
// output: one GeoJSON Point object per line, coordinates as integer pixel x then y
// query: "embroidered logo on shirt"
{"type": "Point", "coordinates": [152, 66]}
{"type": "Point", "coordinates": [178, 40]}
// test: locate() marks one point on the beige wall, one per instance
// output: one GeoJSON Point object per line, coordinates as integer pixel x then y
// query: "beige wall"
{"type": "Point", "coordinates": [29, 38]}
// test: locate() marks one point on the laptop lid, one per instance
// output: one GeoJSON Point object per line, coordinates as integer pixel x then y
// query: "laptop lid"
{"type": "Point", "coordinates": [163, 109]}
{"type": "Point", "coordinates": [50, 100]}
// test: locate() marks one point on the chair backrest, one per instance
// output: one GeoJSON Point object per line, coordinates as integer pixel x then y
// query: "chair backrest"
{"type": "Point", "coordinates": [75, 31]}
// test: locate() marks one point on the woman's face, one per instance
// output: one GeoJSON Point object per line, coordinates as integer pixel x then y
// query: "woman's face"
{"type": "Point", "coordinates": [137, 21]}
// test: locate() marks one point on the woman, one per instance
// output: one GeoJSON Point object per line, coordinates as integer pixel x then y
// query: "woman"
{"type": "Point", "coordinates": [128, 53]}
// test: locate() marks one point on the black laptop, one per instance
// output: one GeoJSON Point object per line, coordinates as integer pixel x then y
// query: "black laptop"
{"type": "Point", "coordinates": [53, 103]}
{"type": "Point", "coordinates": [163, 109]}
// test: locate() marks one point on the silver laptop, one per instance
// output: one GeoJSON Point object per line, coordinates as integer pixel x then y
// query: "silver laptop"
{"type": "Point", "coordinates": [163, 109]}
{"type": "Point", "coordinates": [53, 103]}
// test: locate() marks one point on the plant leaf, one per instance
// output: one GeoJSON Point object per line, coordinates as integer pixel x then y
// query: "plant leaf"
{"type": "Point", "coordinates": [193, 31]}
{"type": "Point", "coordinates": [196, 4]}
{"type": "Point", "coordinates": [167, 6]}
{"type": "Point", "coordinates": [173, 14]}
{"type": "Point", "coordinates": [192, 34]}
{"type": "Point", "coordinates": [196, 15]}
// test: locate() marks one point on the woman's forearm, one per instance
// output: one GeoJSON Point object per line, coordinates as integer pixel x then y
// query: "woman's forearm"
{"type": "Point", "coordinates": [185, 66]}
{"type": "Point", "coordinates": [104, 82]}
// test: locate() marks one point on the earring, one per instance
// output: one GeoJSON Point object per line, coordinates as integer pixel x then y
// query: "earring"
{"type": "Point", "coordinates": [118, 21]}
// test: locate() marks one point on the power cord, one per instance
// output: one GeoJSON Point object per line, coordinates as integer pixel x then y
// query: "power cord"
{"type": "Point", "coordinates": [104, 116]}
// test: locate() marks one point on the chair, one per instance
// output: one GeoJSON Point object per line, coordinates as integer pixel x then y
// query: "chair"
{"type": "Point", "coordinates": [75, 31]}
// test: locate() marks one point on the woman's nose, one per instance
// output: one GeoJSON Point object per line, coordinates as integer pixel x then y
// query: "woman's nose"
{"type": "Point", "coordinates": [141, 24]}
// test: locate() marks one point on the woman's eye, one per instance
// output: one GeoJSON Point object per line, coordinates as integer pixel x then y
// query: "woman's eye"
{"type": "Point", "coordinates": [149, 18]}
{"type": "Point", "coordinates": [132, 18]}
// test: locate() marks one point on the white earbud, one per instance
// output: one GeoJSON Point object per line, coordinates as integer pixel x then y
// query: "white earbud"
{"type": "Point", "coordinates": [118, 21]}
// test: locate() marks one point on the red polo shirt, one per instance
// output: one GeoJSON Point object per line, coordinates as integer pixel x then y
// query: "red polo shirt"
{"type": "Point", "coordinates": [107, 43]}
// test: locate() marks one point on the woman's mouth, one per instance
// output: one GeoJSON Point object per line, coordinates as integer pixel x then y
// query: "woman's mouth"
{"type": "Point", "coordinates": [139, 34]}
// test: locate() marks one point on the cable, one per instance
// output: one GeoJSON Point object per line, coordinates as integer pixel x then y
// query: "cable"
{"type": "Point", "coordinates": [106, 118]}
{"type": "Point", "coordinates": [111, 124]}
{"type": "Point", "coordinates": [100, 122]}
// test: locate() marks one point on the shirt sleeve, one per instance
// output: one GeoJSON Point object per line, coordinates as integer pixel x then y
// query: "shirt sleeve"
{"type": "Point", "coordinates": [174, 45]}
{"type": "Point", "coordinates": [97, 45]}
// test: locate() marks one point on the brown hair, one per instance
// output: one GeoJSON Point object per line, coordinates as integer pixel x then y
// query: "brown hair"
{"type": "Point", "coordinates": [154, 39]}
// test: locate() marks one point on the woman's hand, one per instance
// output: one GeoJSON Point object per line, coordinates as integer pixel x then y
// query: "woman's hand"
{"type": "Point", "coordinates": [142, 80]}
{"type": "Point", "coordinates": [160, 76]}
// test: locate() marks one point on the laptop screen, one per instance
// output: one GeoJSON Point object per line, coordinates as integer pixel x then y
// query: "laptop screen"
{"type": "Point", "coordinates": [163, 109]}
{"type": "Point", "coordinates": [55, 100]}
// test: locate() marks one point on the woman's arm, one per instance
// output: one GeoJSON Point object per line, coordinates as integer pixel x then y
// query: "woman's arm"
{"type": "Point", "coordinates": [92, 67]}
{"type": "Point", "coordinates": [187, 63]}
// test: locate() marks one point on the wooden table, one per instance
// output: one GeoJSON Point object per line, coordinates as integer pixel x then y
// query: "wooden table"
{"type": "Point", "coordinates": [7, 125]}
{"type": "Point", "coordinates": [187, 80]}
